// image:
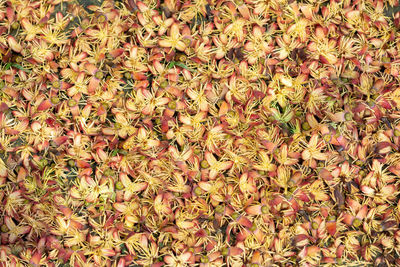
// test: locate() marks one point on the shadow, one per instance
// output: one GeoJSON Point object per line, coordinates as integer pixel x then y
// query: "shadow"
{"type": "Point", "coordinates": [86, 3]}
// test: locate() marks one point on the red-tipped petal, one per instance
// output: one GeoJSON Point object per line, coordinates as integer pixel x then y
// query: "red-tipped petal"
{"type": "Point", "coordinates": [10, 14]}
{"type": "Point", "coordinates": [235, 251]}
{"type": "Point", "coordinates": [117, 52]}
{"type": "Point", "coordinates": [60, 140]}
{"type": "Point", "coordinates": [82, 164]}
{"type": "Point", "coordinates": [93, 85]}
{"type": "Point", "coordinates": [120, 207]}
{"type": "Point", "coordinates": [121, 262]}
{"type": "Point", "coordinates": [245, 222]}
{"type": "Point", "coordinates": [312, 251]}
{"type": "Point", "coordinates": [224, 108]}
{"type": "Point", "coordinates": [14, 45]}
{"type": "Point", "coordinates": [139, 76]}
{"type": "Point", "coordinates": [101, 110]}
{"type": "Point", "coordinates": [66, 211]}
{"type": "Point", "coordinates": [348, 219]}
{"type": "Point", "coordinates": [367, 190]}
{"type": "Point", "coordinates": [388, 190]}
{"type": "Point", "coordinates": [244, 11]}
{"type": "Point", "coordinates": [362, 212]}
{"type": "Point", "coordinates": [139, 187]}
{"type": "Point", "coordinates": [331, 228]}
{"type": "Point", "coordinates": [46, 104]}
{"type": "Point", "coordinates": [91, 68]}
{"type": "Point", "coordinates": [35, 260]}
{"type": "Point", "coordinates": [206, 186]}
{"type": "Point", "coordinates": [301, 240]}
{"type": "Point", "coordinates": [254, 210]}
{"type": "Point", "coordinates": [325, 174]}
{"type": "Point", "coordinates": [339, 251]}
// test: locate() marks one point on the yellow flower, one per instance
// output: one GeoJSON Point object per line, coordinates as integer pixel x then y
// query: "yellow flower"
{"type": "Point", "coordinates": [313, 150]}
{"type": "Point", "coordinates": [216, 167]}
{"type": "Point", "coordinates": [131, 188]}
{"type": "Point", "coordinates": [14, 230]}
{"type": "Point", "coordinates": [265, 162]}
{"type": "Point", "coordinates": [174, 40]}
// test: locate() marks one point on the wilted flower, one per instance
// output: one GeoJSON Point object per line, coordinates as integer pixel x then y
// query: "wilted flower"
{"type": "Point", "coordinates": [205, 133]}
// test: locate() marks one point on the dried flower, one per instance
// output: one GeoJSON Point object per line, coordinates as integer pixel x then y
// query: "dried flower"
{"type": "Point", "coordinates": [255, 133]}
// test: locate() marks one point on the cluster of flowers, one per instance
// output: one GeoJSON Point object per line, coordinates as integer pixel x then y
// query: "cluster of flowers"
{"type": "Point", "coordinates": [202, 132]}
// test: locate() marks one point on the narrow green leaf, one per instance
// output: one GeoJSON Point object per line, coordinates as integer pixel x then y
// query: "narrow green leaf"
{"type": "Point", "coordinates": [20, 67]}
{"type": "Point", "coordinates": [114, 153]}
{"type": "Point", "coordinates": [171, 64]}
{"type": "Point", "coordinates": [180, 64]}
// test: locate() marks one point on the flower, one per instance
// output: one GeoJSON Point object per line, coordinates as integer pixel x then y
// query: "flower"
{"type": "Point", "coordinates": [204, 133]}
{"type": "Point", "coordinates": [216, 166]}
{"type": "Point", "coordinates": [179, 261]}
{"type": "Point", "coordinates": [174, 40]}
{"type": "Point", "coordinates": [130, 188]}
{"type": "Point", "coordinates": [313, 150]}
{"type": "Point", "coordinates": [14, 231]}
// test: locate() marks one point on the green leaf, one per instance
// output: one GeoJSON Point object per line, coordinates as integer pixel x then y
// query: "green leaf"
{"type": "Point", "coordinates": [7, 66]}
{"type": "Point", "coordinates": [180, 64]}
{"type": "Point", "coordinates": [171, 64]}
{"type": "Point", "coordinates": [114, 153]}
{"type": "Point", "coordinates": [20, 67]}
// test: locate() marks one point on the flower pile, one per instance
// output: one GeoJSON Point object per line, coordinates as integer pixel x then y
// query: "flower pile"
{"type": "Point", "coordinates": [199, 132]}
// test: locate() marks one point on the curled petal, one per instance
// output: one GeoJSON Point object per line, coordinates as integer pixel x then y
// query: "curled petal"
{"type": "Point", "coordinates": [165, 43]}
{"type": "Point", "coordinates": [14, 45]}
{"type": "Point", "coordinates": [205, 186]}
